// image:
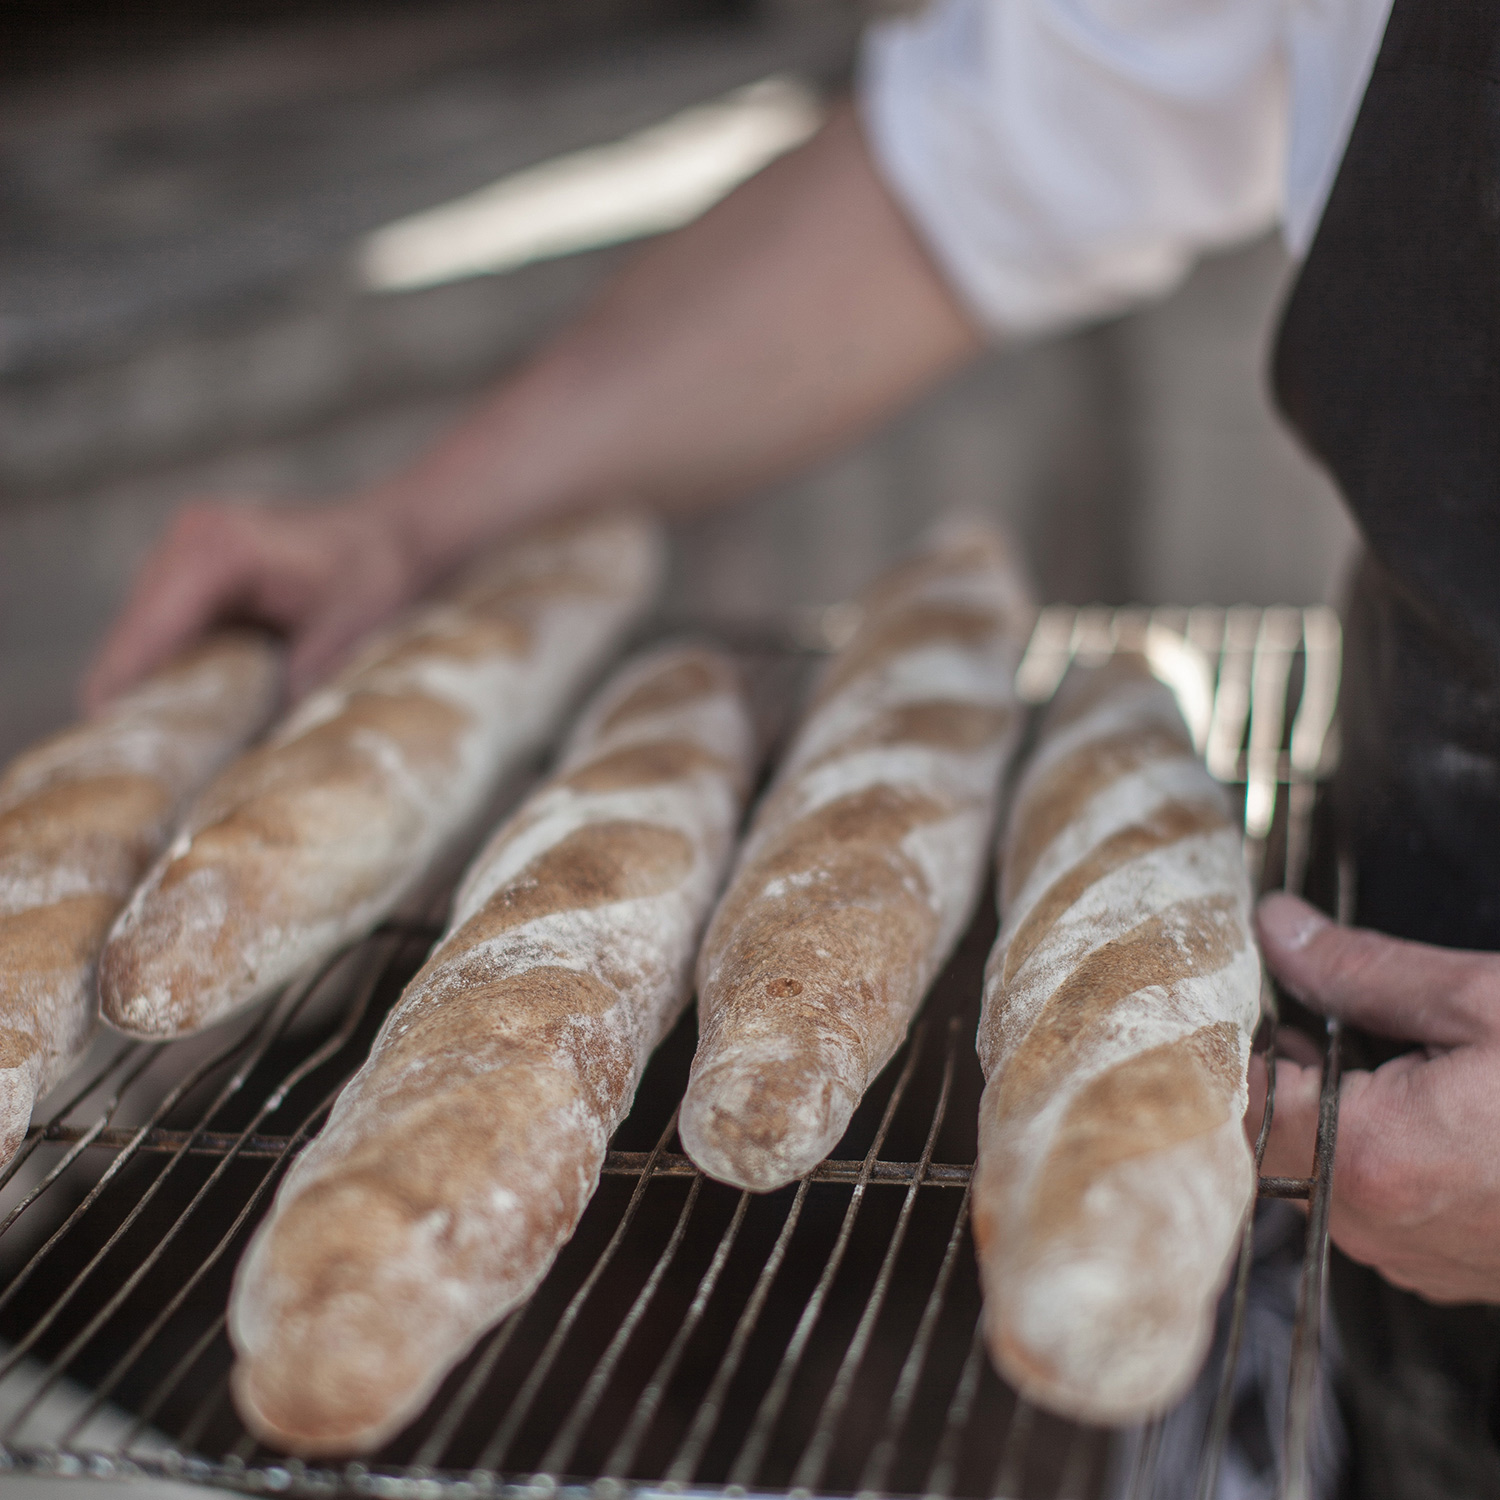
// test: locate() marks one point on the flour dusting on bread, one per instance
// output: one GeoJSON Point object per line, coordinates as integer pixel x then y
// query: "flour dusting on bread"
{"type": "Point", "coordinates": [307, 842]}
{"type": "Point", "coordinates": [82, 814]}
{"type": "Point", "coordinates": [862, 865]}
{"type": "Point", "coordinates": [1120, 1001]}
{"type": "Point", "coordinates": [459, 1159]}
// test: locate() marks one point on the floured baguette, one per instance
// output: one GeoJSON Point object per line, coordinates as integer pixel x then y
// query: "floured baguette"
{"type": "Point", "coordinates": [306, 843]}
{"type": "Point", "coordinates": [1119, 1005]}
{"type": "Point", "coordinates": [81, 816]}
{"type": "Point", "coordinates": [862, 866]}
{"type": "Point", "coordinates": [459, 1159]}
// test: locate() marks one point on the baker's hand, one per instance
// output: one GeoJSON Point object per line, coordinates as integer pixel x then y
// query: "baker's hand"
{"type": "Point", "coordinates": [1416, 1182]}
{"type": "Point", "coordinates": [323, 577]}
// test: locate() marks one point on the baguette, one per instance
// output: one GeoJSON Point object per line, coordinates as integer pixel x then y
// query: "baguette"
{"type": "Point", "coordinates": [81, 816]}
{"type": "Point", "coordinates": [1120, 1000]}
{"type": "Point", "coordinates": [862, 866]}
{"type": "Point", "coordinates": [459, 1159]}
{"type": "Point", "coordinates": [305, 844]}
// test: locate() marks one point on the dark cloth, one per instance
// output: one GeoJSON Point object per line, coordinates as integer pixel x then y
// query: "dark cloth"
{"type": "Point", "coordinates": [1388, 366]}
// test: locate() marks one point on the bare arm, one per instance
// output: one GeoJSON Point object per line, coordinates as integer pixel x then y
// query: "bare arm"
{"type": "Point", "coordinates": [790, 318]}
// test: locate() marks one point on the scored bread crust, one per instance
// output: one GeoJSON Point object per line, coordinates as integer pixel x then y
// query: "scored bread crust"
{"type": "Point", "coordinates": [1120, 1000]}
{"type": "Point", "coordinates": [306, 843]}
{"type": "Point", "coordinates": [81, 816]}
{"type": "Point", "coordinates": [863, 863]}
{"type": "Point", "coordinates": [459, 1159]}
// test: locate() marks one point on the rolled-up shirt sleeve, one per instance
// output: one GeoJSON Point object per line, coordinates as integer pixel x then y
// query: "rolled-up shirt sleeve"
{"type": "Point", "coordinates": [1066, 159]}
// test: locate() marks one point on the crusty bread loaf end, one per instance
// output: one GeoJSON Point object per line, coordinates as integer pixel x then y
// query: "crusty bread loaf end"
{"type": "Point", "coordinates": [1101, 1305]}
{"type": "Point", "coordinates": [346, 1282]}
{"type": "Point", "coordinates": [81, 816]}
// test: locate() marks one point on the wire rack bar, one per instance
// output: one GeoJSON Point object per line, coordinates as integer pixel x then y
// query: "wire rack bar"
{"type": "Point", "coordinates": [877, 1469]}
{"type": "Point", "coordinates": [616, 1163]}
{"type": "Point", "coordinates": [622, 1455]}
{"type": "Point", "coordinates": [809, 1471]}
{"type": "Point", "coordinates": [1012, 1463]}
{"type": "Point", "coordinates": [60, 1362]}
{"type": "Point", "coordinates": [819, 1329]}
{"type": "Point", "coordinates": [1218, 1424]}
{"type": "Point", "coordinates": [684, 1465]}
{"type": "Point", "coordinates": [747, 1462]}
{"type": "Point", "coordinates": [1307, 1329]}
{"type": "Point", "coordinates": [495, 1450]}
{"type": "Point", "coordinates": [562, 1448]}
{"type": "Point", "coordinates": [945, 1461]}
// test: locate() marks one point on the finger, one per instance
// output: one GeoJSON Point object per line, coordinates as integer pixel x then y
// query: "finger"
{"type": "Point", "coordinates": [1399, 1170]}
{"type": "Point", "coordinates": [1256, 1104]}
{"type": "Point", "coordinates": [1299, 1047]}
{"type": "Point", "coordinates": [1413, 1185]}
{"type": "Point", "coordinates": [1413, 991]}
{"type": "Point", "coordinates": [157, 619]}
{"type": "Point", "coordinates": [1294, 1117]}
{"type": "Point", "coordinates": [1290, 1045]}
{"type": "Point", "coordinates": [1417, 1127]}
{"type": "Point", "coordinates": [206, 568]}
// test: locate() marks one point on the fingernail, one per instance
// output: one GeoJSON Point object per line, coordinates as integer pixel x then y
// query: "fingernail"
{"type": "Point", "coordinates": [1288, 922]}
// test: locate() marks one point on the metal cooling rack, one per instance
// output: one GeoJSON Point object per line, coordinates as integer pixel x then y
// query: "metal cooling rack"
{"type": "Point", "coordinates": [690, 1339]}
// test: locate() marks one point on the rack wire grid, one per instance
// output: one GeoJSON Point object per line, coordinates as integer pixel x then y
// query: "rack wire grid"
{"type": "Point", "coordinates": [690, 1338]}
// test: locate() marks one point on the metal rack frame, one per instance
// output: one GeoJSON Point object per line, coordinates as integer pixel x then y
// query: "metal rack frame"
{"type": "Point", "coordinates": [691, 1340]}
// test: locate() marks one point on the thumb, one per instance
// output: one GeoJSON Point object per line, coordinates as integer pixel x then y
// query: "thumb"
{"type": "Point", "coordinates": [1411, 991]}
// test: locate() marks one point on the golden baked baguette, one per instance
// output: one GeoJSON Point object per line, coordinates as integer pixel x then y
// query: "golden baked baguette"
{"type": "Point", "coordinates": [306, 843]}
{"type": "Point", "coordinates": [81, 816]}
{"type": "Point", "coordinates": [1119, 1004]}
{"type": "Point", "coordinates": [863, 863]}
{"type": "Point", "coordinates": [459, 1159]}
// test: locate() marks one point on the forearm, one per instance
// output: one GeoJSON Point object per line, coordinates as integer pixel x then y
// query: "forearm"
{"type": "Point", "coordinates": [794, 315]}
{"type": "Point", "coordinates": [791, 317]}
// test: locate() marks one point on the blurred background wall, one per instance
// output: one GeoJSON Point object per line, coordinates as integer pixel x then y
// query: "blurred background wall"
{"type": "Point", "coordinates": [184, 188]}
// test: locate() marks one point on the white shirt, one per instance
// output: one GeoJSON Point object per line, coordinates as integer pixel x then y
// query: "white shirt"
{"type": "Point", "coordinates": [1065, 159]}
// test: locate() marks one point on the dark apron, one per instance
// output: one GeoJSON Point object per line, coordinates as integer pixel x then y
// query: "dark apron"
{"type": "Point", "coordinates": [1388, 366]}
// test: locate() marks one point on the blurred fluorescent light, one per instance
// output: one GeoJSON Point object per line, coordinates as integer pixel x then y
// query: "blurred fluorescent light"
{"type": "Point", "coordinates": [646, 183]}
